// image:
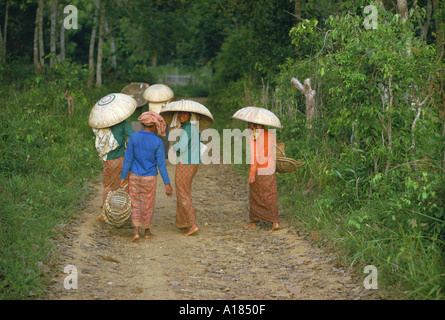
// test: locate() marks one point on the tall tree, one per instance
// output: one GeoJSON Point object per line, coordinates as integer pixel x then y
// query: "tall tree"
{"type": "Point", "coordinates": [100, 44]}
{"type": "Point", "coordinates": [92, 44]}
{"type": "Point", "coordinates": [4, 34]}
{"type": "Point", "coordinates": [61, 39]}
{"type": "Point", "coordinates": [39, 53]}
{"type": "Point", "coordinates": [53, 34]}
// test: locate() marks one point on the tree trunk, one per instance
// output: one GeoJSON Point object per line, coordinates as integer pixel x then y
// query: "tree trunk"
{"type": "Point", "coordinates": [40, 36]}
{"type": "Point", "coordinates": [297, 10]}
{"type": "Point", "coordinates": [429, 9]}
{"type": "Point", "coordinates": [92, 43]}
{"type": "Point", "coordinates": [61, 41]}
{"type": "Point", "coordinates": [402, 9]}
{"type": "Point", "coordinates": [53, 34]}
{"type": "Point", "coordinates": [109, 32]}
{"type": "Point", "coordinates": [100, 45]}
{"type": "Point", "coordinates": [4, 37]}
{"type": "Point", "coordinates": [309, 95]}
{"type": "Point", "coordinates": [36, 45]}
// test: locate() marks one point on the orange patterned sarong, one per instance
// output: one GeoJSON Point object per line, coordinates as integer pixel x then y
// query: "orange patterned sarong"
{"type": "Point", "coordinates": [185, 212]}
{"type": "Point", "coordinates": [112, 176]}
{"type": "Point", "coordinates": [142, 194]}
{"type": "Point", "coordinates": [264, 199]}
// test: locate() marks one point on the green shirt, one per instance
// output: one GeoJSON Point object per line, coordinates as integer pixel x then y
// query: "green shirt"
{"type": "Point", "coordinates": [188, 146]}
{"type": "Point", "coordinates": [121, 133]}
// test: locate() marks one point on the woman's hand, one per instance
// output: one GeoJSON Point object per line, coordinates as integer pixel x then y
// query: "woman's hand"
{"type": "Point", "coordinates": [123, 183]}
{"type": "Point", "coordinates": [251, 179]}
{"type": "Point", "coordinates": [168, 190]}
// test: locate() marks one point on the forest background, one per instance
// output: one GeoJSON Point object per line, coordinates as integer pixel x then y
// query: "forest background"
{"type": "Point", "coordinates": [359, 91]}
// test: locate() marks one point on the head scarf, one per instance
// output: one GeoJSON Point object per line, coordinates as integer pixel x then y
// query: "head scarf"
{"type": "Point", "coordinates": [152, 117]}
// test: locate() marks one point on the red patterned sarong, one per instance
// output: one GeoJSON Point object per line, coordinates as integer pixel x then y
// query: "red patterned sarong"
{"type": "Point", "coordinates": [112, 176]}
{"type": "Point", "coordinates": [264, 199]}
{"type": "Point", "coordinates": [142, 194]}
{"type": "Point", "coordinates": [185, 212]}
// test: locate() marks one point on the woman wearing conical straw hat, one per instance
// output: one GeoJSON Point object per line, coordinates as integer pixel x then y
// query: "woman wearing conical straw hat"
{"type": "Point", "coordinates": [144, 156]}
{"type": "Point", "coordinates": [108, 119]}
{"type": "Point", "coordinates": [189, 116]}
{"type": "Point", "coordinates": [263, 196]}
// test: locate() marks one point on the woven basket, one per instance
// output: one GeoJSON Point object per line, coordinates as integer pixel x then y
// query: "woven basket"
{"type": "Point", "coordinates": [287, 165]}
{"type": "Point", "coordinates": [117, 208]}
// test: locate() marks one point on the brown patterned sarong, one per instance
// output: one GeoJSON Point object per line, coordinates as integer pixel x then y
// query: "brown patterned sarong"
{"type": "Point", "coordinates": [142, 194]}
{"type": "Point", "coordinates": [185, 212]}
{"type": "Point", "coordinates": [264, 199]}
{"type": "Point", "coordinates": [112, 176]}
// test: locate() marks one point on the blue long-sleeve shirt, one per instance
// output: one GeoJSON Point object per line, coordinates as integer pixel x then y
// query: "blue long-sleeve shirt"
{"type": "Point", "coordinates": [144, 156]}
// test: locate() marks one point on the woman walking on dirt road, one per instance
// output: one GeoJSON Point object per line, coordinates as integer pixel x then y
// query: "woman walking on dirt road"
{"type": "Point", "coordinates": [263, 198]}
{"type": "Point", "coordinates": [189, 116]}
{"type": "Point", "coordinates": [144, 156]}
{"type": "Point", "coordinates": [262, 180]}
{"type": "Point", "coordinates": [111, 129]}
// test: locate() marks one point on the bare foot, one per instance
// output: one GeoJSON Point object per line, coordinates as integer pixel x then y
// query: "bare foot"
{"type": "Point", "coordinates": [251, 225]}
{"type": "Point", "coordinates": [101, 218]}
{"type": "Point", "coordinates": [192, 230]}
{"type": "Point", "coordinates": [275, 226]}
{"type": "Point", "coordinates": [148, 234]}
{"type": "Point", "coordinates": [135, 238]}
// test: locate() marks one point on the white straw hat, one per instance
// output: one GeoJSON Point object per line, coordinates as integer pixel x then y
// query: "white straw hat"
{"type": "Point", "coordinates": [258, 115]}
{"type": "Point", "coordinates": [158, 95]}
{"type": "Point", "coordinates": [136, 91]}
{"type": "Point", "coordinates": [205, 119]}
{"type": "Point", "coordinates": [111, 109]}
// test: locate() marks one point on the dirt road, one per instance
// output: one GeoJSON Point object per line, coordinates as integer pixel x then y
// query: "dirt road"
{"type": "Point", "coordinates": [220, 261]}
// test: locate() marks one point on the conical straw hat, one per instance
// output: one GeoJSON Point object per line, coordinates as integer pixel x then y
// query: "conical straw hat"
{"type": "Point", "coordinates": [111, 109]}
{"type": "Point", "coordinates": [158, 95]}
{"type": "Point", "coordinates": [136, 91]}
{"type": "Point", "coordinates": [205, 120]}
{"type": "Point", "coordinates": [258, 115]}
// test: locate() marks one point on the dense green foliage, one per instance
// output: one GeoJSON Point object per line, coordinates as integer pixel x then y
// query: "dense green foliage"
{"type": "Point", "coordinates": [46, 159]}
{"type": "Point", "coordinates": [373, 185]}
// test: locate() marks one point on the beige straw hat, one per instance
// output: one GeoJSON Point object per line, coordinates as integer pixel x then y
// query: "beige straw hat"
{"type": "Point", "coordinates": [205, 119]}
{"type": "Point", "coordinates": [158, 95]}
{"type": "Point", "coordinates": [111, 109]}
{"type": "Point", "coordinates": [258, 115]}
{"type": "Point", "coordinates": [136, 91]}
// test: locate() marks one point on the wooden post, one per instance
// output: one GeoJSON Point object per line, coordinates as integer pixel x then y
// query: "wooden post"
{"type": "Point", "coordinates": [309, 95]}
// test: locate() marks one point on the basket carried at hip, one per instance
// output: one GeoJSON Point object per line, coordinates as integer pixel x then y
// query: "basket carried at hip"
{"type": "Point", "coordinates": [117, 208]}
{"type": "Point", "coordinates": [283, 164]}
{"type": "Point", "coordinates": [287, 165]}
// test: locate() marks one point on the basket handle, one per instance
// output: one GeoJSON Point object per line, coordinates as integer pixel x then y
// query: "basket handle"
{"type": "Point", "coordinates": [124, 187]}
{"type": "Point", "coordinates": [276, 146]}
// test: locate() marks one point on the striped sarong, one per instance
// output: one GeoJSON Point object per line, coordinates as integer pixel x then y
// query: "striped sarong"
{"type": "Point", "coordinates": [142, 194]}
{"type": "Point", "coordinates": [111, 176]}
{"type": "Point", "coordinates": [264, 199]}
{"type": "Point", "coordinates": [185, 212]}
